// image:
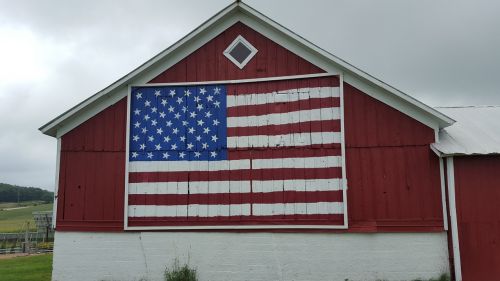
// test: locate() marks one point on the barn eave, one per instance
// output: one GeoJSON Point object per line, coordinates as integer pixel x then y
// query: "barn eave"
{"type": "Point", "coordinates": [240, 12]}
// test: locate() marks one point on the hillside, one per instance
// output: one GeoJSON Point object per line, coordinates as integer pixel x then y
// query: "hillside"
{"type": "Point", "coordinates": [14, 193]}
{"type": "Point", "coordinates": [14, 218]}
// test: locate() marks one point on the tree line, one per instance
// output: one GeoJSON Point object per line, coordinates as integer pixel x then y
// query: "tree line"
{"type": "Point", "coordinates": [14, 193]}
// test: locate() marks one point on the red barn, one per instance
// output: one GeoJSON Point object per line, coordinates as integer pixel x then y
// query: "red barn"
{"type": "Point", "coordinates": [250, 153]}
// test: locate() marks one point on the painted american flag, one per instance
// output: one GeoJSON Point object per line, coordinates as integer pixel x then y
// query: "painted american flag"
{"type": "Point", "coordinates": [262, 153]}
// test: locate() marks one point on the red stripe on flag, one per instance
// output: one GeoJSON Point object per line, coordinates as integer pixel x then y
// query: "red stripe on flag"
{"type": "Point", "coordinates": [282, 85]}
{"type": "Point", "coordinates": [301, 127]}
{"type": "Point", "coordinates": [282, 107]}
{"type": "Point", "coordinates": [319, 219]}
{"type": "Point", "coordinates": [235, 198]}
{"type": "Point", "coordinates": [286, 152]}
{"type": "Point", "coordinates": [245, 174]}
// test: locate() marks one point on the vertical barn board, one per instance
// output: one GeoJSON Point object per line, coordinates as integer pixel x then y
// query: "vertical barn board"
{"type": "Point", "coordinates": [251, 37]}
{"type": "Point", "coordinates": [399, 171]}
{"type": "Point", "coordinates": [191, 68]}
{"type": "Point", "coordinates": [75, 186]}
{"type": "Point", "coordinates": [235, 186]}
{"type": "Point", "coordinates": [109, 121]}
{"type": "Point", "coordinates": [278, 209]}
{"type": "Point", "coordinates": [106, 202]}
{"type": "Point", "coordinates": [257, 183]}
{"type": "Point", "coordinates": [119, 184]}
{"type": "Point", "coordinates": [477, 187]}
{"type": "Point", "coordinates": [202, 70]}
{"type": "Point", "coordinates": [271, 59]}
{"type": "Point", "coordinates": [220, 61]}
{"type": "Point", "coordinates": [92, 208]}
{"type": "Point", "coordinates": [261, 61]}
{"type": "Point", "coordinates": [88, 136]}
{"type": "Point", "coordinates": [98, 129]}
{"type": "Point", "coordinates": [193, 186]}
{"type": "Point", "coordinates": [61, 198]}
{"type": "Point", "coordinates": [120, 120]}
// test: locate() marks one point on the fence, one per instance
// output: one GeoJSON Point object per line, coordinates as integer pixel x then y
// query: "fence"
{"type": "Point", "coordinates": [26, 242]}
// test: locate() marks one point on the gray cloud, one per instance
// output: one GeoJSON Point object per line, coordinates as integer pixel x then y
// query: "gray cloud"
{"type": "Point", "coordinates": [442, 52]}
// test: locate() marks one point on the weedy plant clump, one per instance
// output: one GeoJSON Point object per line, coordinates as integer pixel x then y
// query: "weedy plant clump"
{"type": "Point", "coordinates": [180, 273]}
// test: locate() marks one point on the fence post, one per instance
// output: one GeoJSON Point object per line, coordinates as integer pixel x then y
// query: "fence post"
{"type": "Point", "coordinates": [26, 248]}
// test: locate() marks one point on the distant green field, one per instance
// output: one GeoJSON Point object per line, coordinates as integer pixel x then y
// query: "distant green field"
{"type": "Point", "coordinates": [26, 268]}
{"type": "Point", "coordinates": [14, 220]}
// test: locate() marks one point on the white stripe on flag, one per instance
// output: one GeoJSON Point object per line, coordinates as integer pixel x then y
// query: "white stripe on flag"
{"type": "Point", "coordinates": [192, 210]}
{"type": "Point", "coordinates": [198, 210]}
{"type": "Point", "coordinates": [282, 96]}
{"type": "Point", "coordinates": [231, 165]}
{"type": "Point", "coordinates": [185, 166]}
{"type": "Point", "coordinates": [202, 187]}
{"type": "Point", "coordinates": [193, 187]}
{"type": "Point", "coordinates": [303, 162]}
{"type": "Point", "coordinates": [297, 185]}
{"type": "Point", "coordinates": [320, 114]}
{"type": "Point", "coordinates": [298, 208]}
{"type": "Point", "coordinates": [298, 139]}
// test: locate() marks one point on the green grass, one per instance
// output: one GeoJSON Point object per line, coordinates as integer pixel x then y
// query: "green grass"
{"type": "Point", "coordinates": [26, 268]}
{"type": "Point", "coordinates": [14, 220]}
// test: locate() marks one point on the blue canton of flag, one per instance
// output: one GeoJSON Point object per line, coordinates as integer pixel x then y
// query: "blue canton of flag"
{"type": "Point", "coordinates": [178, 123]}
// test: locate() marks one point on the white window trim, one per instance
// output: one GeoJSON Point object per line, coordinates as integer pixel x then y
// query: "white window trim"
{"type": "Point", "coordinates": [247, 44]}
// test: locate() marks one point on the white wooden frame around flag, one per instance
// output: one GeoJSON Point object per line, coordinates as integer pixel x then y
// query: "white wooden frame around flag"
{"type": "Point", "coordinates": [229, 227]}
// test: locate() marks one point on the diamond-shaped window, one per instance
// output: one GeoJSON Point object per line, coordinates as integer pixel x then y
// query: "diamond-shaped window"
{"type": "Point", "coordinates": [240, 51]}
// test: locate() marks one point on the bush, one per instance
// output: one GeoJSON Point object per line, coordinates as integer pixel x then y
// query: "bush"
{"type": "Point", "coordinates": [180, 273]}
{"type": "Point", "coordinates": [45, 245]}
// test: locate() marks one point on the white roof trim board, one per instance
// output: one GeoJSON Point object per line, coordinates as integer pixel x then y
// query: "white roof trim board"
{"type": "Point", "coordinates": [476, 132]}
{"type": "Point", "coordinates": [212, 27]}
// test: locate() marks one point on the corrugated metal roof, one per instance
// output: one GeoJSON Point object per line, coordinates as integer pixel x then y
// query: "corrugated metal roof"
{"type": "Point", "coordinates": [477, 131]}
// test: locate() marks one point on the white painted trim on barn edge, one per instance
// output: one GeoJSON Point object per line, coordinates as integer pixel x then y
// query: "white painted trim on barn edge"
{"type": "Point", "coordinates": [127, 153]}
{"type": "Point", "coordinates": [443, 194]}
{"type": "Point", "coordinates": [234, 227]}
{"type": "Point", "coordinates": [53, 126]}
{"type": "Point", "coordinates": [56, 183]}
{"type": "Point", "coordinates": [305, 44]}
{"type": "Point", "coordinates": [450, 169]}
{"type": "Point", "coordinates": [342, 151]}
{"type": "Point", "coordinates": [240, 12]}
{"type": "Point", "coordinates": [102, 100]}
{"type": "Point", "coordinates": [240, 81]}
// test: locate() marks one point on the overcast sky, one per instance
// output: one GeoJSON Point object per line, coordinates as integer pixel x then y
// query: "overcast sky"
{"type": "Point", "coordinates": [54, 54]}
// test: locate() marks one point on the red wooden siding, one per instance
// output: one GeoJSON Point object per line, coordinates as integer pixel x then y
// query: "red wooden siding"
{"type": "Point", "coordinates": [477, 188]}
{"type": "Point", "coordinates": [208, 63]}
{"type": "Point", "coordinates": [392, 175]}
{"type": "Point", "coordinates": [92, 173]}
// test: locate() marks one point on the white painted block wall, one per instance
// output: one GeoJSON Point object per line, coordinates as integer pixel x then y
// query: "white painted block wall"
{"type": "Point", "coordinates": [251, 256]}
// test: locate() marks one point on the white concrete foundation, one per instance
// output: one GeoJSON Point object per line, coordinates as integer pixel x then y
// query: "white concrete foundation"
{"type": "Point", "coordinates": [251, 256]}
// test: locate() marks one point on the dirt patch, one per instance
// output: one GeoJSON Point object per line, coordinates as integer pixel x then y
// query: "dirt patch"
{"type": "Point", "coordinates": [14, 208]}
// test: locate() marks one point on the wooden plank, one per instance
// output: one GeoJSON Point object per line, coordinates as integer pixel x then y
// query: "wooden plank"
{"type": "Point", "coordinates": [226, 70]}
{"type": "Point", "coordinates": [75, 186]}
